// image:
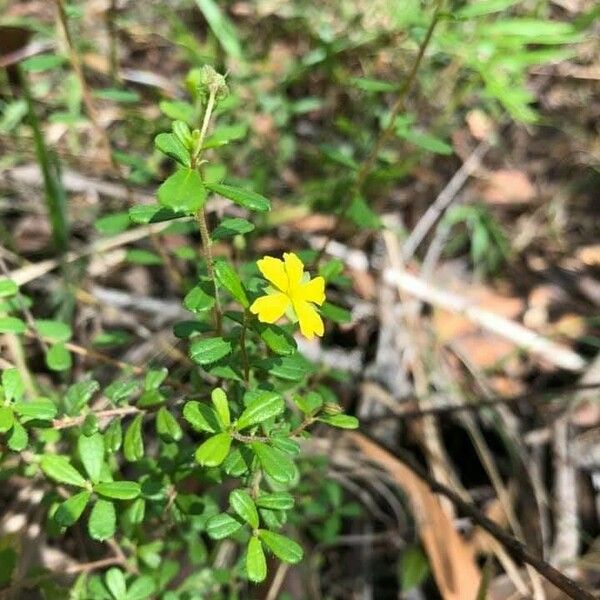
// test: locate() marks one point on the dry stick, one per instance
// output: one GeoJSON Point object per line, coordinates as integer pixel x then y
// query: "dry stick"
{"type": "Point", "coordinates": [443, 200]}
{"type": "Point", "coordinates": [556, 354]}
{"type": "Point", "coordinates": [481, 403]}
{"type": "Point", "coordinates": [85, 92]}
{"type": "Point", "coordinates": [514, 547]}
{"type": "Point", "coordinates": [399, 105]}
{"type": "Point", "coordinates": [33, 271]}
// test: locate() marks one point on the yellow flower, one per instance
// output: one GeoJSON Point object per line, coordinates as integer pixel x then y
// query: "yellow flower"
{"type": "Point", "coordinates": [291, 288]}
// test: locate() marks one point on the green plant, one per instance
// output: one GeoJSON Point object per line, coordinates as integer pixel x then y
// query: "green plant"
{"type": "Point", "coordinates": [482, 234]}
{"type": "Point", "coordinates": [145, 458]}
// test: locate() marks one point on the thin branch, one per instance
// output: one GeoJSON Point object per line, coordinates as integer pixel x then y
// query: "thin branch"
{"type": "Point", "coordinates": [479, 403]}
{"type": "Point", "coordinates": [528, 340]}
{"type": "Point", "coordinates": [85, 91]}
{"type": "Point", "coordinates": [514, 547]}
{"type": "Point", "coordinates": [66, 422]}
{"type": "Point", "coordinates": [397, 108]}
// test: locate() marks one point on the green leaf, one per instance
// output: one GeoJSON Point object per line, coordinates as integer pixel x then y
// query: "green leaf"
{"type": "Point", "coordinates": [231, 281]}
{"type": "Point", "coordinates": [199, 299]}
{"type": "Point", "coordinates": [12, 384]}
{"type": "Point", "coordinates": [414, 568]}
{"type": "Point", "coordinates": [230, 227]}
{"type": "Point", "coordinates": [310, 403]}
{"type": "Point", "coordinates": [18, 438]}
{"type": "Point", "coordinates": [143, 587]}
{"type": "Point", "coordinates": [276, 501]}
{"type": "Point", "coordinates": [42, 409]}
{"type": "Point", "coordinates": [178, 110]}
{"type": "Point", "coordinates": [341, 421]}
{"type": "Point", "coordinates": [115, 582]}
{"type": "Point", "coordinates": [118, 490]}
{"type": "Point", "coordinates": [167, 426]}
{"type": "Point", "coordinates": [282, 547]}
{"type": "Point", "coordinates": [224, 134]}
{"type": "Point", "coordinates": [209, 350]}
{"type": "Point", "coordinates": [113, 436]}
{"type": "Point", "coordinates": [275, 463]}
{"type": "Point", "coordinates": [337, 156]}
{"type": "Point", "coordinates": [136, 256]}
{"type": "Point", "coordinates": [361, 215]}
{"type": "Point", "coordinates": [154, 378]}
{"type": "Point", "coordinates": [71, 509]}
{"type": "Point", "coordinates": [103, 520]}
{"type": "Point", "coordinates": [223, 29]}
{"type": "Point", "coordinates": [42, 62]}
{"type": "Point", "coordinates": [12, 325]}
{"type": "Point", "coordinates": [59, 468]}
{"type": "Point", "coordinates": [244, 506]}
{"type": "Point", "coordinates": [91, 453]}
{"type": "Point", "coordinates": [219, 400]}
{"type": "Point", "coordinates": [145, 214]}
{"type": "Point", "coordinates": [373, 85]}
{"type": "Point", "coordinates": [222, 526]}
{"type": "Point", "coordinates": [335, 313]}
{"type": "Point", "coordinates": [150, 398]}
{"type": "Point", "coordinates": [121, 390]}
{"type": "Point", "coordinates": [256, 564]}
{"type": "Point", "coordinates": [136, 512]}
{"type": "Point", "coordinates": [290, 368]}
{"type": "Point", "coordinates": [170, 145]}
{"type": "Point", "coordinates": [246, 198]}
{"type": "Point", "coordinates": [214, 450]}
{"type": "Point", "coordinates": [58, 358]}
{"type": "Point", "coordinates": [133, 446]}
{"type": "Point", "coordinates": [201, 417]}
{"type": "Point", "coordinates": [117, 95]}
{"type": "Point", "coordinates": [9, 288]}
{"type": "Point", "coordinates": [277, 339]}
{"type": "Point", "coordinates": [425, 141]}
{"type": "Point", "coordinates": [183, 191]}
{"type": "Point", "coordinates": [7, 418]}
{"type": "Point", "coordinates": [113, 224]}
{"type": "Point", "coordinates": [482, 7]}
{"type": "Point", "coordinates": [261, 408]}
{"type": "Point", "coordinates": [55, 331]}
{"type": "Point", "coordinates": [8, 562]}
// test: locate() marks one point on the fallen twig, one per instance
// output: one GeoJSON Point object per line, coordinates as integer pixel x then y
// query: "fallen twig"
{"type": "Point", "coordinates": [516, 549]}
{"type": "Point", "coordinates": [526, 339]}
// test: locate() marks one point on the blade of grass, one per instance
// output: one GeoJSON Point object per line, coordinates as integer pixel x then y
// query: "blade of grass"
{"type": "Point", "coordinates": [56, 199]}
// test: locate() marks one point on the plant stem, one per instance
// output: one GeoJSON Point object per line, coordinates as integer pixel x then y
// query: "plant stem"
{"type": "Point", "coordinates": [85, 91]}
{"type": "Point", "coordinates": [201, 215]}
{"type": "Point", "coordinates": [54, 192]}
{"type": "Point", "coordinates": [206, 248]}
{"type": "Point", "coordinates": [397, 108]}
{"type": "Point", "coordinates": [243, 349]}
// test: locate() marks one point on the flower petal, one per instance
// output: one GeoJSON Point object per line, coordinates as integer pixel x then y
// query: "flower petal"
{"type": "Point", "coordinates": [270, 308]}
{"type": "Point", "coordinates": [274, 271]}
{"type": "Point", "coordinates": [294, 268]}
{"type": "Point", "coordinates": [313, 291]}
{"type": "Point", "coordinates": [309, 319]}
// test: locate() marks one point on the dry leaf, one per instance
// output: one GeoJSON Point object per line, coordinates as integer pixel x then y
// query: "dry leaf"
{"type": "Point", "coordinates": [451, 558]}
{"type": "Point", "coordinates": [508, 186]}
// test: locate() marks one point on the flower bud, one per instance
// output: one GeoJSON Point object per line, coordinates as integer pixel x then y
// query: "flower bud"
{"type": "Point", "coordinates": [332, 408]}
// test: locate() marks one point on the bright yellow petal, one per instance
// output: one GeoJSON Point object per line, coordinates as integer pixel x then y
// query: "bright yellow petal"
{"type": "Point", "coordinates": [294, 268]}
{"type": "Point", "coordinates": [313, 291]}
{"type": "Point", "coordinates": [270, 308]}
{"type": "Point", "coordinates": [309, 319]}
{"type": "Point", "coordinates": [273, 270]}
